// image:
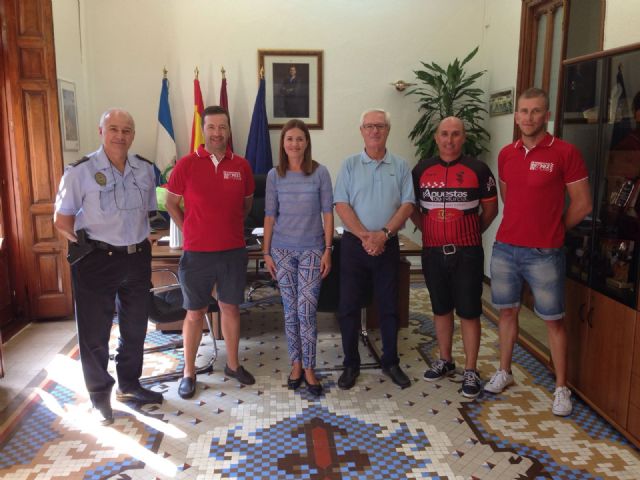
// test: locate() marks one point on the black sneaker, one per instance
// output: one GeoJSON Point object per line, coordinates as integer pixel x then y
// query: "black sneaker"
{"type": "Point", "coordinates": [240, 374]}
{"type": "Point", "coordinates": [439, 369]}
{"type": "Point", "coordinates": [471, 384]}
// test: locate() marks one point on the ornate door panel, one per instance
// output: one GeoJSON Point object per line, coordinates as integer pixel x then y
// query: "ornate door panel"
{"type": "Point", "coordinates": [34, 152]}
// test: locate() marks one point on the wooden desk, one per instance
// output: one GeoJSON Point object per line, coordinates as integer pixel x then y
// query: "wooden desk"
{"type": "Point", "coordinates": [165, 257]}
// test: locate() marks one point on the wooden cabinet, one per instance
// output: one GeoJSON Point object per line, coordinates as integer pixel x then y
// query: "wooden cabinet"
{"type": "Point", "coordinates": [601, 344]}
{"type": "Point", "coordinates": [606, 374]}
{"type": "Point", "coordinates": [633, 417]}
{"type": "Point", "coordinates": [577, 306]}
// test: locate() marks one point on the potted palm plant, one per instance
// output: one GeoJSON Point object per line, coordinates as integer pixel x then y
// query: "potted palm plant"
{"type": "Point", "coordinates": [449, 92]}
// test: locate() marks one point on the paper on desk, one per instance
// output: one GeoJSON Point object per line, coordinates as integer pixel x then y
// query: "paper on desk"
{"type": "Point", "coordinates": [164, 239]}
{"type": "Point", "coordinates": [258, 232]}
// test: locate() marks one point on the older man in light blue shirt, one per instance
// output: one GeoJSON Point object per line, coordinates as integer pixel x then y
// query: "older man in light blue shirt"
{"type": "Point", "coordinates": [373, 197]}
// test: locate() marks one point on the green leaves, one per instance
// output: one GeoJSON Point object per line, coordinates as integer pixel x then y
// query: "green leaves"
{"type": "Point", "coordinates": [449, 92]}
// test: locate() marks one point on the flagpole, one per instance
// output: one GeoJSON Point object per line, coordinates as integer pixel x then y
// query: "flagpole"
{"type": "Point", "coordinates": [166, 151]}
{"type": "Point", "coordinates": [197, 138]}
{"type": "Point", "coordinates": [258, 143]}
{"type": "Point", "coordinates": [224, 103]}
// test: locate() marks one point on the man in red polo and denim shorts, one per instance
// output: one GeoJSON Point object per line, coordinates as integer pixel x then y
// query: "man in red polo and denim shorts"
{"type": "Point", "coordinates": [217, 186]}
{"type": "Point", "coordinates": [535, 172]}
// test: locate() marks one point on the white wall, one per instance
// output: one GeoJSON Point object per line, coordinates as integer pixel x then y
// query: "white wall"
{"type": "Point", "coordinates": [367, 45]}
{"type": "Point", "coordinates": [502, 38]}
{"type": "Point", "coordinates": [621, 23]}
{"type": "Point", "coordinates": [70, 64]}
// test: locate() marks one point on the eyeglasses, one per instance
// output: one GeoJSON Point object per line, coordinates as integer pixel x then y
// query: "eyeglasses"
{"type": "Point", "coordinates": [370, 127]}
{"type": "Point", "coordinates": [131, 202]}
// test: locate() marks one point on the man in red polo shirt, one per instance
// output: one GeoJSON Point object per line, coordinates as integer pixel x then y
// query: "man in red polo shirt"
{"type": "Point", "coordinates": [217, 186]}
{"type": "Point", "coordinates": [534, 173]}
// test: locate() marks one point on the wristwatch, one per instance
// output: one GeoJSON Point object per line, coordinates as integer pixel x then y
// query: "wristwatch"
{"type": "Point", "coordinates": [388, 233]}
{"type": "Point", "coordinates": [329, 247]}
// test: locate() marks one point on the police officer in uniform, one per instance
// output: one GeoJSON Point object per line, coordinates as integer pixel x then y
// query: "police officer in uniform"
{"type": "Point", "coordinates": [109, 195]}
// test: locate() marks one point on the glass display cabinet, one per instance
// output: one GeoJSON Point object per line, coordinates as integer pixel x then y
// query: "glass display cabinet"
{"type": "Point", "coordinates": [600, 114]}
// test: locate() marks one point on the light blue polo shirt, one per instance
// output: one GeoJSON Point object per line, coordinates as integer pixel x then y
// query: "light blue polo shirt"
{"type": "Point", "coordinates": [112, 206]}
{"type": "Point", "coordinates": [374, 189]}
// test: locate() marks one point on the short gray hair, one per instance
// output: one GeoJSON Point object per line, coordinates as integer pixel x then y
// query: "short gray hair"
{"type": "Point", "coordinates": [387, 115]}
{"type": "Point", "coordinates": [111, 110]}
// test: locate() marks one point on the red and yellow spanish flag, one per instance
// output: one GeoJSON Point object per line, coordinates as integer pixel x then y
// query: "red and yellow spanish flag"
{"type": "Point", "coordinates": [197, 137]}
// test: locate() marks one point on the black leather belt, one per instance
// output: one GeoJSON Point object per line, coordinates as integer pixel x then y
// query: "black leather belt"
{"type": "Point", "coordinates": [128, 249]}
{"type": "Point", "coordinates": [451, 248]}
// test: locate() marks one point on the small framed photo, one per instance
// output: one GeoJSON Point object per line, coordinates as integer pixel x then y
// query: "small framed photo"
{"type": "Point", "coordinates": [293, 81]}
{"type": "Point", "coordinates": [501, 102]}
{"type": "Point", "coordinates": [68, 115]}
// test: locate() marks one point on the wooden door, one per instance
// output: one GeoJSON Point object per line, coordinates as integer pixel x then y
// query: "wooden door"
{"type": "Point", "coordinates": [606, 373]}
{"type": "Point", "coordinates": [577, 308]}
{"type": "Point", "coordinates": [33, 154]}
{"type": "Point", "coordinates": [6, 305]}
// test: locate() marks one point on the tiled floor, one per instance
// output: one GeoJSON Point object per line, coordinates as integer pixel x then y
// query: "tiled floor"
{"type": "Point", "coordinates": [28, 352]}
{"type": "Point", "coordinates": [374, 431]}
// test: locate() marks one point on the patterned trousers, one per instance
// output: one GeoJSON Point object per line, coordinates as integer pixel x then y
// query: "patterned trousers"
{"type": "Point", "coordinates": [298, 275]}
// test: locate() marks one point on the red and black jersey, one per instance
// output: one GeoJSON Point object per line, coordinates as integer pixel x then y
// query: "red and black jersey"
{"type": "Point", "coordinates": [448, 196]}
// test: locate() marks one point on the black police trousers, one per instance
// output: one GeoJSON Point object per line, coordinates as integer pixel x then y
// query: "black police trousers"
{"type": "Point", "coordinates": [103, 282]}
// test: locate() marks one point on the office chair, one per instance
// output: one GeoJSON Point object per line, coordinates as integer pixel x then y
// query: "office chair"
{"type": "Point", "coordinates": [255, 219]}
{"type": "Point", "coordinates": [165, 306]}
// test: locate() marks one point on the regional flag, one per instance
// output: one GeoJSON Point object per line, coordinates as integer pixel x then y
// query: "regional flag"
{"type": "Point", "coordinates": [224, 103]}
{"type": "Point", "coordinates": [165, 138]}
{"type": "Point", "coordinates": [258, 143]}
{"type": "Point", "coordinates": [197, 137]}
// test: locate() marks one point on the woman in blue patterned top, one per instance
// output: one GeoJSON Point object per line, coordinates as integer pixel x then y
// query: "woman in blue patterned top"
{"type": "Point", "coordinates": [298, 235]}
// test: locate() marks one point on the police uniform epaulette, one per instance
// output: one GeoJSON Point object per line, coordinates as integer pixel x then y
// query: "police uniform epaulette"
{"type": "Point", "coordinates": [144, 159]}
{"type": "Point", "coordinates": [79, 162]}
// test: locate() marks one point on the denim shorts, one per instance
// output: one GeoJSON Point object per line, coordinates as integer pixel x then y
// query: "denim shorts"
{"type": "Point", "coordinates": [542, 268]}
{"type": "Point", "coordinates": [199, 272]}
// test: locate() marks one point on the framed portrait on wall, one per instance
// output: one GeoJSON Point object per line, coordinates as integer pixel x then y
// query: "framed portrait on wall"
{"type": "Point", "coordinates": [68, 115]}
{"type": "Point", "coordinates": [293, 80]}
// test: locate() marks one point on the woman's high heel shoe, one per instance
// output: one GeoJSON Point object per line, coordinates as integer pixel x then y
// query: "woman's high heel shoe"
{"type": "Point", "coordinates": [294, 383]}
{"type": "Point", "coordinates": [314, 388]}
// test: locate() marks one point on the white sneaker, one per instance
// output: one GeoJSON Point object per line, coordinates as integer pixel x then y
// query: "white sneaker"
{"type": "Point", "coordinates": [562, 405]}
{"type": "Point", "coordinates": [500, 380]}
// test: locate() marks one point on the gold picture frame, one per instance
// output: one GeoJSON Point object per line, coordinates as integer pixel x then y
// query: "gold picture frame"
{"type": "Point", "coordinates": [293, 81]}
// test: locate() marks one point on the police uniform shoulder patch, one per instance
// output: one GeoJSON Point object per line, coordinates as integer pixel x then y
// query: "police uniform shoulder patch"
{"type": "Point", "coordinates": [79, 162]}
{"type": "Point", "coordinates": [144, 159]}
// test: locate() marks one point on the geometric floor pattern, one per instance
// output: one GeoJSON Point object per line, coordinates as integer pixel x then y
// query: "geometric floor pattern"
{"type": "Point", "coordinates": [373, 431]}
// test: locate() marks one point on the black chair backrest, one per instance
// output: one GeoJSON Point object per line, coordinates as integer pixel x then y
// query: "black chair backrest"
{"type": "Point", "coordinates": [165, 307]}
{"type": "Point", "coordinates": [256, 215]}
{"type": "Point", "coordinates": [330, 289]}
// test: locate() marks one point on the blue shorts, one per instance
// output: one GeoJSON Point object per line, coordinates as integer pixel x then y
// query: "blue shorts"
{"type": "Point", "coordinates": [542, 268]}
{"type": "Point", "coordinates": [199, 272]}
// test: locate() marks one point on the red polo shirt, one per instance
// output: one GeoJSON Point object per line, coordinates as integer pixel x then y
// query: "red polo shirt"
{"type": "Point", "coordinates": [213, 199]}
{"type": "Point", "coordinates": [536, 183]}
